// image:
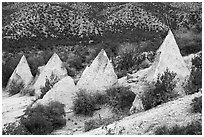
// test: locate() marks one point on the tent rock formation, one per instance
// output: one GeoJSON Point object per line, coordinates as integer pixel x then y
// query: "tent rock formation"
{"type": "Point", "coordinates": [53, 66]}
{"type": "Point", "coordinates": [21, 73]}
{"type": "Point", "coordinates": [63, 92]}
{"type": "Point", "coordinates": [99, 75]}
{"type": "Point", "coordinates": [168, 56]}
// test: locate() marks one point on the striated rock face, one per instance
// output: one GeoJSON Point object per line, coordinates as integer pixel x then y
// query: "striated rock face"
{"type": "Point", "coordinates": [99, 75]}
{"type": "Point", "coordinates": [63, 92]}
{"type": "Point", "coordinates": [168, 114]}
{"type": "Point", "coordinates": [54, 66]}
{"type": "Point", "coordinates": [168, 56]}
{"type": "Point", "coordinates": [21, 73]}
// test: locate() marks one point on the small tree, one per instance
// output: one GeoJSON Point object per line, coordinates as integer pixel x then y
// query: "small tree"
{"type": "Point", "coordinates": [84, 103]}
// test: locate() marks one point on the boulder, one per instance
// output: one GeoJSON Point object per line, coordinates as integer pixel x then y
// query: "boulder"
{"type": "Point", "coordinates": [99, 75]}
{"type": "Point", "coordinates": [21, 73]}
{"type": "Point", "coordinates": [63, 92]}
{"type": "Point", "coordinates": [53, 67]}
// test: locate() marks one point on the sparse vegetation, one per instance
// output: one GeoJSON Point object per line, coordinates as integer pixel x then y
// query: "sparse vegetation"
{"type": "Point", "coordinates": [15, 87]}
{"type": "Point", "coordinates": [197, 105]}
{"type": "Point", "coordinates": [42, 120]}
{"type": "Point", "coordinates": [194, 128]}
{"type": "Point", "coordinates": [161, 92]}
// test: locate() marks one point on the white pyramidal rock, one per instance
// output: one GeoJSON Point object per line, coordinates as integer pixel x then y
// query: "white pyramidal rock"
{"type": "Point", "coordinates": [63, 92]}
{"type": "Point", "coordinates": [21, 73]}
{"type": "Point", "coordinates": [168, 56]}
{"type": "Point", "coordinates": [99, 75]}
{"type": "Point", "coordinates": [54, 66]}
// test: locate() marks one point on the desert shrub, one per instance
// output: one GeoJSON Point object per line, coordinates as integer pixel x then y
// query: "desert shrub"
{"type": "Point", "coordinates": [161, 92]}
{"type": "Point", "coordinates": [27, 91]}
{"type": "Point", "coordinates": [194, 82]}
{"type": "Point", "coordinates": [14, 128]}
{"type": "Point", "coordinates": [86, 103]}
{"type": "Point", "coordinates": [194, 128]}
{"type": "Point", "coordinates": [127, 57]}
{"type": "Point", "coordinates": [197, 105]}
{"type": "Point", "coordinates": [15, 87]}
{"type": "Point", "coordinates": [38, 124]}
{"type": "Point", "coordinates": [120, 98]}
{"type": "Point", "coordinates": [42, 120]}
{"type": "Point", "coordinates": [95, 123]}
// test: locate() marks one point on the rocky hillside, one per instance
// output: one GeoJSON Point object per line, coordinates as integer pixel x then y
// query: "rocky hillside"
{"type": "Point", "coordinates": [90, 20]}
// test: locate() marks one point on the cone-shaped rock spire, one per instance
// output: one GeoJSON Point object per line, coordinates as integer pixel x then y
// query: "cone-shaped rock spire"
{"type": "Point", "coordinates": [63, 92]}
{"type": "Point", "coordinates": [99, 76]}
{"type": "Point", "coordinates": [21, 73]}
{"type": "Point", "coordinates": [168, 56]}
{"type": "Point", "coordinates": [54, 66]}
